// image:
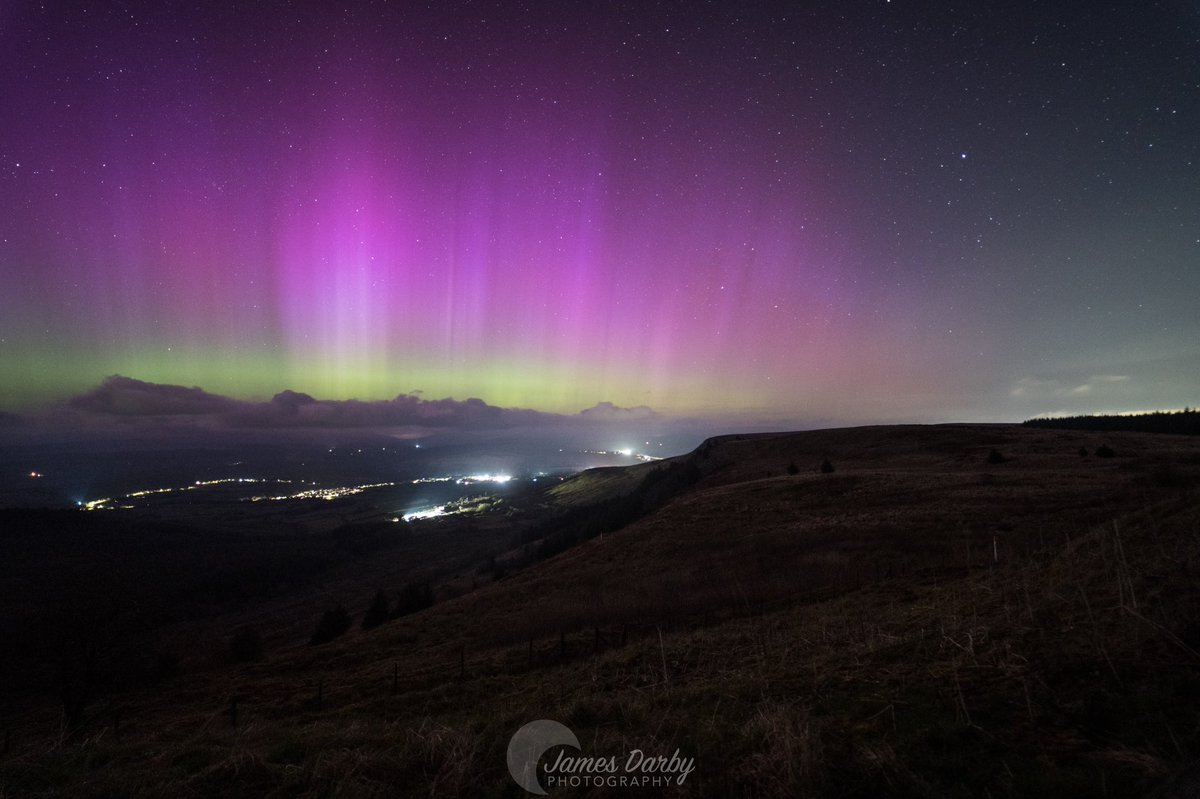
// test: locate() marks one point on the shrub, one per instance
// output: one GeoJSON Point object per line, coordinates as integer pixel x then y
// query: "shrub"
{"type": "Point", "coordinates": [377, 613]}
{"type": "Point", "coordinates": [333, 624]}
{"type": "Point", "coordinates": [995, 457]}
{"type": "Point", "coordinates": [792, 468]}
{"type": "Point", "coordinates": [412, 598]}
{"type": "Point", "coordinates": [1083, 452]}
{"type": "Point", "coordinates": [826, 467]}
{"type": "Point", "coordinates": [493, 567]}
{"type": "Point", "coordinates": [1105, 451]}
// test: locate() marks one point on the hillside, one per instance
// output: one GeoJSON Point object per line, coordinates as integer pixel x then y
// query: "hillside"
{"type": "Point", "coordinates": [951, 611]}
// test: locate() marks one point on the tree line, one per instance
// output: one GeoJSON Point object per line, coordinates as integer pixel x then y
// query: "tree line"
{"type": "Point", "coordinates": [1185, 422]}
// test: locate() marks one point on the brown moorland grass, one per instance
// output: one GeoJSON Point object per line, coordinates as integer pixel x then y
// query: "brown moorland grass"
{"type": "Point", "coordinates": [918, 623]}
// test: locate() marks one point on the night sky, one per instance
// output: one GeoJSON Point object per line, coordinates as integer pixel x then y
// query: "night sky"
{"type": "Point", "coordinates": [847, 211]}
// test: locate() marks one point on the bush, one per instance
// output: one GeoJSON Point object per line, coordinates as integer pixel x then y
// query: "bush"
{"type": "Point", "coordinates": [826, 467]}
{"type": "Point", "coordinates": [1105, 451]}
{"type": "Point", "coordinates": [792, 468]}
{"type": "Point", "coordinates": [995, 457]}
{"type": "Point", "coordinates": [1083, 452]}
{"type": "Point", "coordinates": [377, 613]}
{"type": "Point", "coordinates": [412, 598]}
{"type": "Point", "coordinates": [333, 624]}
{"type": "Point", "coordinates": [245, 646]}
{"type": "Point", "coordinates": [491, 566]}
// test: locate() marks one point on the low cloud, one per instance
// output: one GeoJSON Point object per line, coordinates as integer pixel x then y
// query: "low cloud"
{"type": "Point", "coordinates": [124, 396]}
{"type": "Point", "coordinates": [130, 399]}
{"type": "Point", "coordinates": [607, 412]}
{"type": "Point", "coordinates": [290, 409]}
{"type": "Point", "coordinates": [1037, 388]}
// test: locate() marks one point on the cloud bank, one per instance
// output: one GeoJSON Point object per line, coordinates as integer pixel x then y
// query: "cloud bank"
{"type": "Point", "coordinates": [1037, 388]}
{"type": "Point", "coordinates": [119, 397]}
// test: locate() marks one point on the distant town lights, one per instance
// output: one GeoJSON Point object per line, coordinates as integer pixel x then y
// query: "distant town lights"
{"type": "Point", "coordinates": [484, 478]}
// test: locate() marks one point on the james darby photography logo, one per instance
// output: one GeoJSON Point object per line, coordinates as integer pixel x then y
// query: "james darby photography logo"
{"type": "Point", "coordinates": [632, 769]}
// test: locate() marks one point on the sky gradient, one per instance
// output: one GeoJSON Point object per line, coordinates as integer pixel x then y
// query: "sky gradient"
{"type": "Point", "coordinates": [851, 211]}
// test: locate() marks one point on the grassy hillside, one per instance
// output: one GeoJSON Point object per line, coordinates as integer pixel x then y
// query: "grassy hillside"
{"type": "Point", "coordinates": [952, 611]}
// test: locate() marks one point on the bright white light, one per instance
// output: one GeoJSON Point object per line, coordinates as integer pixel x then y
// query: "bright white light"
{"type": "Point", "coordinates": [625, 452]}
{"type": "Point", "coordinates": [426, 513]}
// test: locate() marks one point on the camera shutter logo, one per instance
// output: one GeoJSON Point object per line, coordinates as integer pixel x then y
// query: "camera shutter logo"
{"type": "Point", "coordinates": [528, 745]}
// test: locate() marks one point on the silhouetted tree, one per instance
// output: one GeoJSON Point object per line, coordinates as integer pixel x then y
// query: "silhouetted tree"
{"type": "Point", "coordinates": [377, 613]}
{"type": "Point", "coordinates": [333, 624]}
{"type": "Point", "coordinates": [413, 598]}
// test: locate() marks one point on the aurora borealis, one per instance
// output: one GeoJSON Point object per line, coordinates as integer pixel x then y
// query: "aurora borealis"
{"type": "Point", "coordinates": [855, 211]}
